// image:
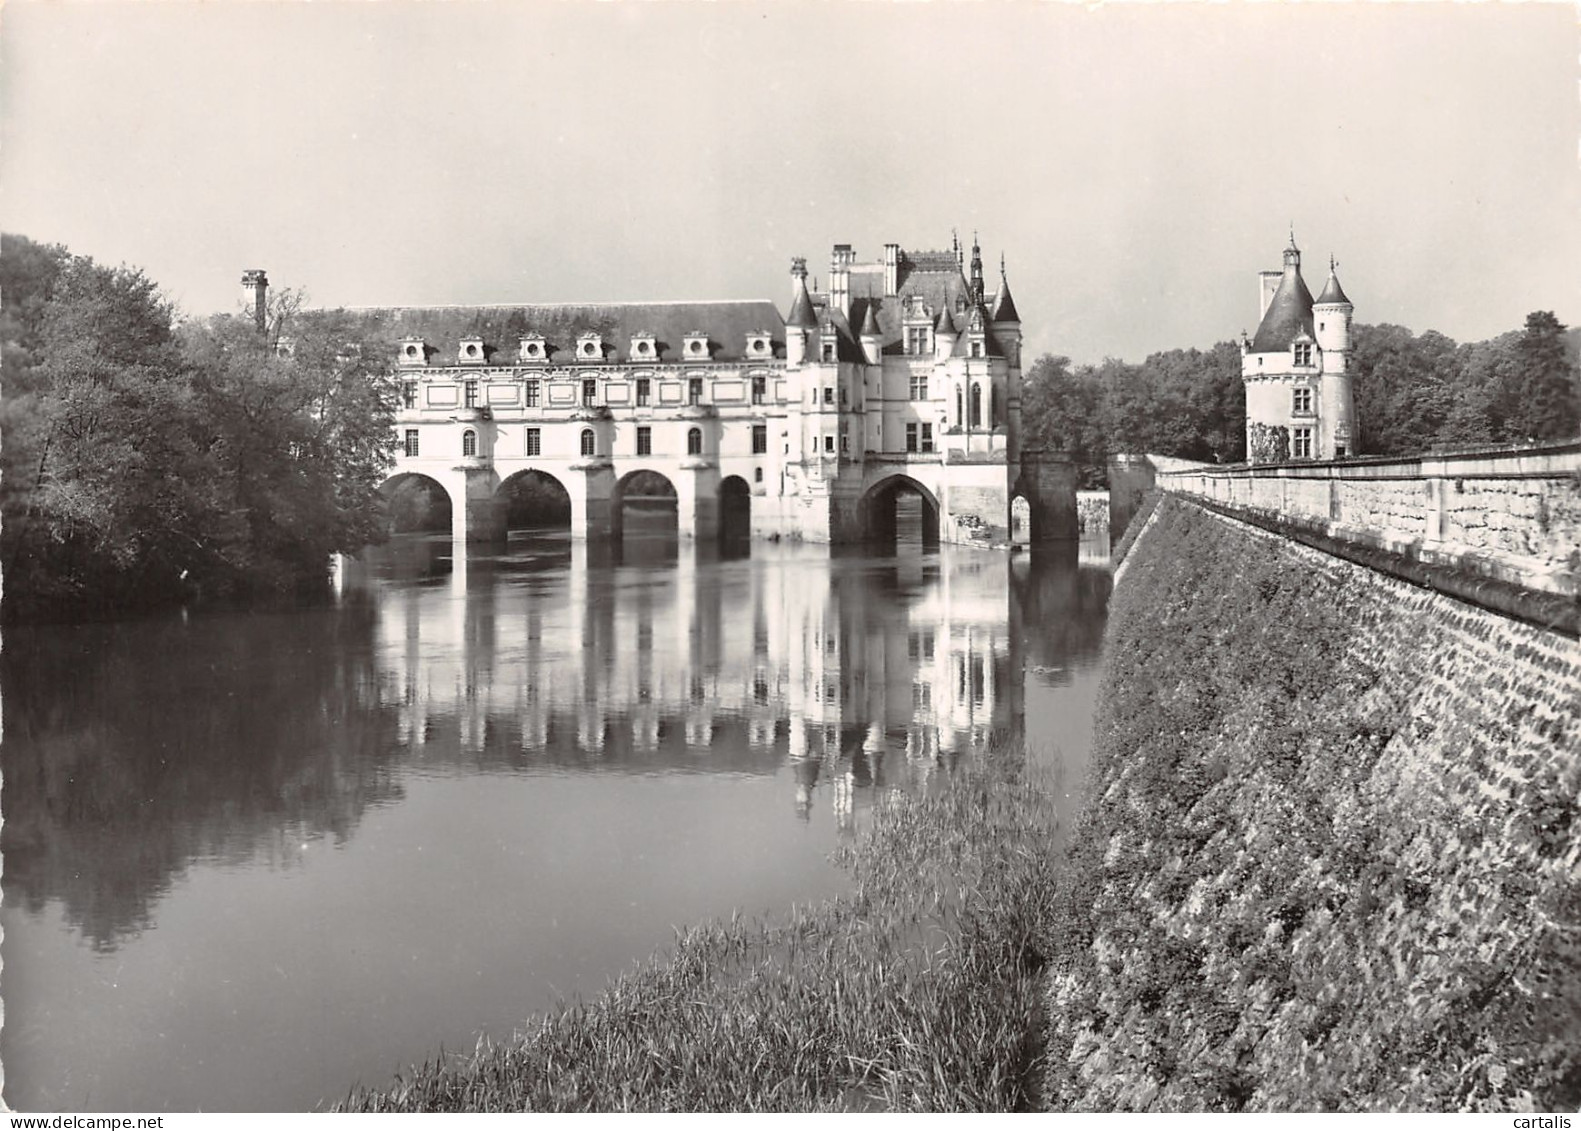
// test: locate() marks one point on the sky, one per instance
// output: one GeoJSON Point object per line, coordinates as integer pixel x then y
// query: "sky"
{"type": "Point", "coordinates": [1137, 164]}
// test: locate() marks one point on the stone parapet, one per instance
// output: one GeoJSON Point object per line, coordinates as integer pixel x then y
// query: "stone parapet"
{"type": "Point", "coordinates": [1510, 514]}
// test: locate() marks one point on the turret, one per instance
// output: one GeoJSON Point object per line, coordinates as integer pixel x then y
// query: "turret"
{"type": "Point", "coordinates": [977, 271]}
{"type": "Point", "coordinates": [1007, 320]}
{"type": "Point", "coordinates": [944, 334]}
{"type": "Point", "coordinates": [1332, 312]}
{"type": "Point", "coordinates": [872, 343]}
{"type": "Point", "coordinates": [802, 319]}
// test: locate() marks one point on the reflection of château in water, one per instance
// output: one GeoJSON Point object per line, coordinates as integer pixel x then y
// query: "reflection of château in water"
{"type": "Point", "coordinates": [839, 666]}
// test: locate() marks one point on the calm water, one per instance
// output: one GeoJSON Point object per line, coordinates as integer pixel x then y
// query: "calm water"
{"type": "Point", "coordinates": [252, 860]}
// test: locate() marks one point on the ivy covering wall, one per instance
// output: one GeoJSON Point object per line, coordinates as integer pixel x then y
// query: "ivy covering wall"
{"type": "Point", "coordinates": [1331, 854]}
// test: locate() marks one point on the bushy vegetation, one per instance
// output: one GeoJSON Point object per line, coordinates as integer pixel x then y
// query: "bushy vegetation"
{"type": "Point", "coordinates": [148, 461]}
{"type": "Point", "coordinates": [919, 991]}
{"type": "Point", "coordinates": [1329, 858]}
{"type": "Point", "coordinates": [1413, 392]}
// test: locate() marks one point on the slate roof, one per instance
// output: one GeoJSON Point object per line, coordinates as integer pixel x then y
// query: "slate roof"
{"type": "Point", "coordinates": [801, 311]}
{"type": "Point", "coordinates": [727, 324]}
{"type": "Point", "coordinates": [933, 276]}
{"type": "Point", "coordinates": [1004, 305]}
{"type": "Point", "coordinates": [1289, 314]}
{"type": "Point", "coordinates": [1332, 291]}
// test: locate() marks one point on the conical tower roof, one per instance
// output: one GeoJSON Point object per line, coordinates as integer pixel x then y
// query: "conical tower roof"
{"type": "Point", "coordinates": [801, 313]}
{"type": "Point", "coordinates": [946, 323]}
{"type": "Point", "coordinates": [1289, 311]}
{"type": "Point", "coordinates": [1332, 291]}
{"type": "Point", "coordinates": [1004, 305]}
{"type": "Point", "coordinates": [869, 324]}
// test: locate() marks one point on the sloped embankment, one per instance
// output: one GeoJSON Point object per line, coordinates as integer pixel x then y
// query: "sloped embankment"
{"type": "Point", "coordinates": [1331, 853]}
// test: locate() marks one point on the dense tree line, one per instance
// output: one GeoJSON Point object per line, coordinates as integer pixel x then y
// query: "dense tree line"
{"type": "Point", "coordinates": [1413, 393]}
{"type": "Point", "coordinates": [148, 460]}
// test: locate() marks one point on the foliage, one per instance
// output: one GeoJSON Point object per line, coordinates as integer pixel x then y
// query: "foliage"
{"type": "Point", "coordinates": [1268, 443]}
{"type": "Point", "coordinates": [145, 466]}
{"type": "Point", "coordinates": [1328, 859]}
{"type": "Point", "coordinates": [919, 991]}
{"type": "Point", "coordinates": [1413, 392]}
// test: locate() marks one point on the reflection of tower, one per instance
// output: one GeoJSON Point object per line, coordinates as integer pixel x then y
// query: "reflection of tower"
{"type": "Point", "coordinates": [806, 772]}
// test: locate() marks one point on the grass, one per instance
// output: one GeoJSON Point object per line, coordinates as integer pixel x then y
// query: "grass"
{"type": "Point", "coordinates": [919, 990]}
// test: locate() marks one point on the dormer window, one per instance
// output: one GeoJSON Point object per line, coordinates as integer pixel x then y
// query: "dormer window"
{"type": "Point", "coordinates": [828, 347]}
{"type": "Point", "coordinates": [919, 340]}
{"type": "Point", "coordinates": [1303, 353]}
{"type": "Point", "coordinates": [590, 347]}
{"type": "Point", "coordinates": [414, 351]}
{"type": "Point", "coordinates": [758, 343]}
{"type": "Point", "coordinates": [643, 347]}
{"type": "Point", "coordinates": [471, 351]}
{"type": "Point", "coordinates": [534, 348]}
{"type": "Point", "coordinates": [695, 346]}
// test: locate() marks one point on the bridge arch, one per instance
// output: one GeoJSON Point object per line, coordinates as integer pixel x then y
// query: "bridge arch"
{"type": "Point", "coordinates": [416, 502]}
{"type": "Point", "coordinates": [533, 498]}
{"type": "Point", "coordinates": [898, 505]}
{"type": "Point", "coordinates": [735, 509]}
{"type": "Point", "coordinates": [646, 501]}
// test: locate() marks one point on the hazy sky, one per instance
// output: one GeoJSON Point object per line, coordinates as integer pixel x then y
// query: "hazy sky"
{"type": "Point", "coordinates": [1137, 163]}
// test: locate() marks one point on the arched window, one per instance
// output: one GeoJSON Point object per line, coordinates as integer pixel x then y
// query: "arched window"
{"type": "Point", "coordinates": [993, 407]}
{"type": "Point", "coordinates": [469, 443]}
{"type": "Point", "coordinates": [694, 441]}
{"type": "Point", "coordinates": [960, 415]}
{"type": "Point", "coordinates": [589, 444]}
{"type": "Point", "coordinates": [976, 405]}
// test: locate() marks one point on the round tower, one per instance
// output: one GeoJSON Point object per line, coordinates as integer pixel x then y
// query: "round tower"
{"type": "Point", "coordinates": [1331, 317]}
{"type": "Point", "coordinates": [802, 320]}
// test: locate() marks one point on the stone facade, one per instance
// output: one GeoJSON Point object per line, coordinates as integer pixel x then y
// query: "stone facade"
{"type": "Point", "coordinates": [903, 373]}
{"type": "Point", "coordinates": [1299, 400]}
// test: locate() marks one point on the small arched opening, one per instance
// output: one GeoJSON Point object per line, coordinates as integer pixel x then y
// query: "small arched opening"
{"type": "Point", "coordinates": [415, 503]}
{"type": "Point", "coordinates": [1020, 521]}
{"type": "Point", "coordinates": [589, 442]}
{"type": "Point", "coordinates": [901, 513]}
{"type": "Point", "coordinates": [469, 444]}
{"type": "Point", "coordinates": [735, 512]}
{"type": "Point", "coordinates": [534, 500]}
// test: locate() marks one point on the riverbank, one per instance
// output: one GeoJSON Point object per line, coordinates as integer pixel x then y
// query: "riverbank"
{"type": "Point", "coordinates": [1330, 854]}
{"type": "Point", "coordinates": [918, 991]}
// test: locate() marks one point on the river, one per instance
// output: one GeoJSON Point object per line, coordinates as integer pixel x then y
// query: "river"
{"type": "Point", "coordinates": [251, 860]}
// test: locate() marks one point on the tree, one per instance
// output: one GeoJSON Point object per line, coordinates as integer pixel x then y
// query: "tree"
{"type": "Point", "coordinates": [1542, 397]}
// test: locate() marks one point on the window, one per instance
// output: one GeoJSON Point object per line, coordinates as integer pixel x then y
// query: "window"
{"type": "Point", "coordinates": [927, 437]}
{"type": "Point", "coordinates": [757, 474]}
{"type": "Point", "coordinates": [845, 443]}
{"type": "Point", "coordinates": [919, 386]}
{"type": "Point", "coordinates": [977, 349]}
{"type": "Point", "coordinates": [471, 388]}
{"type": "Point", "coordinates": [759, 389]}
{"type": "Point", "coordinates": [534, 442]}
{"type": "Point", "coordinates": [694, 390]}
{"type": "Point", "coordinates": [828, 394]}
{"type": "Point", "coordinates": [993, 407]}
{"type": "Point", "coordinates": [589, 392]}
{"type": "Point", "coordinates": [644, 440]}
{"type": "Point", "coordinates": [828, 443]}
{"type": "Point", "coordinates": [469, 443]}
{"type": "Point", "coordinates": [959, 414]}
{"type": "Point", "coordinates": [828, 349]}
{"type": "Point", "coordinates": [911, 436]}
{"type": "Point", "coordinates": [1301, 400]}
{"type": "Point", "coordinates": [644, 391]}
{"type": "Point", "coordinates": [1303, 352]}
{"type": "Point", "coordinates": [1339, 451]}
{"type": "Point", "coordinates": [1301, 443]}
{"type": "Point", "coordinates": [411, 442]}
{"type": "Point", "coordinates": [917, 340]}
{"type": "Point", "coordinates": [921, 695]}
{"type": "Point", "coordinates": [589, 442]}
{"type": "Point", "coordinates": [976, 406]}
{"type": "Point", "coordinates": [409, 394]}
{"type": "Point", "coordinates": [532, 394]}
{"type": "Point", "coordinates": [760, 439]}
{"type": "Point", "coordinates": [694, 441]}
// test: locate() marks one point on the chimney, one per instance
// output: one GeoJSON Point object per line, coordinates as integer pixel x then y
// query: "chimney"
{"type": "Point", "coordinates": [840, 277]}
{"type": "Point", "coordinates": [255, 293]}
{"type": "Point", "coordinates": [1267, 284]}
{"type": "Point", "coordinates": [891, 268]}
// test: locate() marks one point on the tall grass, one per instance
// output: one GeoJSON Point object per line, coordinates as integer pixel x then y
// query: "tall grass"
{"type": "Point", "coordinates": [917, 991]}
